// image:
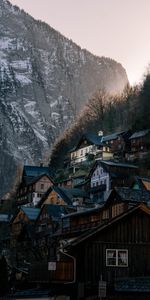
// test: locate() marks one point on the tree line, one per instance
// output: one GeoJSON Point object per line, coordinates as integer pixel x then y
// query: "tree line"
{"type": "Point", "coordinates": [110, 113]}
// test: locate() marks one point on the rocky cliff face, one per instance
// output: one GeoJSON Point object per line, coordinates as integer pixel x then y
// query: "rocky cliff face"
{"type": "Point", "coordinates": [45, 79]}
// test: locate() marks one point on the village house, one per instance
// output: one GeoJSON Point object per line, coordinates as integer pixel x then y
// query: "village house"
{"type": "Point", "coordinates": [141, 183]}
{"type": "Point", "coordinates": [49, 218]}
{"type": "Point", "coordinates": [140, 144]}
{"type": "Point", "coordinates": [111, 174]}
{"type": "Point", "coordinates": [64, 196]}
{"type": "Point", "coordinates": [113, 203]}
{"type": "Point", "coordinates": [90, 145]}
{"type": "Point", "coordinates": [111, 259]}
{"type": "Point", "coordinates": [24, 216]}
{"type": "Point", "coordinates": [35, 182]}
{"type": "Point", "coordinates": [64, 183]}
{"type": "Point", "coordinates": [119, 142]}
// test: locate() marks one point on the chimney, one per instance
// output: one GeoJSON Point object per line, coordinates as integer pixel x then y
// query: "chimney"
{"type": "Point", "coordinates": [100, 133]}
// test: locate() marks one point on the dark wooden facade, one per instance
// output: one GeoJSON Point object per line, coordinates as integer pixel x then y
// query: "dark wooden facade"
{"type": "Point", "coordinates": [115, 204]}
{"type": "Point", "coordinates": [140, 144]}
{"type": "Point", "coordinates": [129, 232]}
{"type": "Point", "coordinates": [128, 236]}
{"type": "Point", "coordinates": [119, 142]}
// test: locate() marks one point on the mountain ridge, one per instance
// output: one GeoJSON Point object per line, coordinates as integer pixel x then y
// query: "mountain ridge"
{"type": "Point", "coordinates": [45, 80]}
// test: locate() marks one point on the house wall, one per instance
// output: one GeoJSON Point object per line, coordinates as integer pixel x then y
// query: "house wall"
{"type": "Point", "coordinates": [140, 145]}
{"type": "Point", "coordinates": [66, 184]}
{"type": "Point", "coordinates": [131, 234]}
{"type": "Point", "coordinates": [79, 222]}
{"type": "Point", "coordinates": [117, 144]}
{"type": "Point", "coordinates": [80, 154]}
{"type": "Point", "coordinates": [146, 184]}
{"type": "Point", "coordinates": [44, 221]}
{"type": "Point", "coordinates": [43, 184]}
{"type": "Point", "coordinates": [99, 177]}
{"type": "Point", "coordinates": [54, 198]}
{"type": "Point", "coordinates": [32, 194]}
{"type": "Point", "coordinates": [107, 155]}
{"type": "Point", "coordinates": [16, 226]}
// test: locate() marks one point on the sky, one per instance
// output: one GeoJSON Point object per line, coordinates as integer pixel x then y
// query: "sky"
{"type": "Point", "coordinates": [118, 29]}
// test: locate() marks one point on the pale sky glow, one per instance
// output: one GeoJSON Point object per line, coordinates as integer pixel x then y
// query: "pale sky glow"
{"type": "Point", "coordinates": [119, 29]}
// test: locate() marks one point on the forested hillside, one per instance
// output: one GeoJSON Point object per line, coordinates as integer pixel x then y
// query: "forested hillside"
{"type": "Point", "coordinates": [129, 110]}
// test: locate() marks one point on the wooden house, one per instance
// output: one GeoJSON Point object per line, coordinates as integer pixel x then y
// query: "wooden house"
{"type": "Point", "coordinates": [65, 183]}
{"type": "Point", "coordinates": [35, 182]}
{"type": "Point", "coordinates": [90, 145]}
{"type": "Point", "coordinates": [120, 142]}
{"type": "Point", "coordinates": [49, 218]}
{"type": "Point", "coordinates": [25, 215]}
{"type": "Point", "coordinates": [140, 144]}
{"type": "Point", "coordinates": [108, 259]}
{"type": "Point", "coordinates": [113, 203]}
{"type": "Point", "coordinates": [141, 183]}
{"type": "Point", "coordinates": [64, 196]}
{"type": "Point", "coordinates": [111, 174]}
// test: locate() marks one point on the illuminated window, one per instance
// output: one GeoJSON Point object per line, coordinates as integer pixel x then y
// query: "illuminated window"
{"type": "Point", "coordinates": [116, 258]}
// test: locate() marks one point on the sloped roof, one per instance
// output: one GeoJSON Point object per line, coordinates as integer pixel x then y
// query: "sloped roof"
{"type": "Point", "coordinates": [139, 134]}
{"type": "Point", "coordinates": [134, 284]}
{"type": "Point", "coordinates": [92, 138]}
{"type": "Point", "coordinates": [140, 182]}
{"type": "Point", "coordinates": [112, 136]}
{"type": "Point", "coordinates": [66, 194]}
{"type": "Point", "coordinates": [32, 293]}
{"type": "Point", "coordinates": [59, 191]}
{"type": "Point", "coordinates": [31, 180]}
{"type": "Point", "coordinates": [30, 212]}
{"type": "Point", "coordinates": [118, 164]}
{"type": "Point", "coordinates": [86, 211]}
{"type": "Point", "coordinates": [131, 195]}
{"type": "Point", "coordinates": [35, 171]}
{"type": "Point", "coordinates": [56, 211]}
{"type": "Point", "coordinates": [5, 218]}
{"type": "Point", "coordinates": [75, 192]}
{"type": "Point", "coordinates": [101, 227]}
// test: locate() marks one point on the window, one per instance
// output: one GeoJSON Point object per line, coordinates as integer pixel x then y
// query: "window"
{"type": "Point", "coordinates": [42, 186]}
{"type": "Point", "coordinates": [105, 214]}
{"type": "Point", "coordinates": [116, 258]}
{"type": "Point", "coordinates": [81, 153]}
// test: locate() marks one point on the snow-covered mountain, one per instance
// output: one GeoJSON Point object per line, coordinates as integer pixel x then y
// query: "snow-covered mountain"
{"type": "Point", "coordinates": [45, 79]}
